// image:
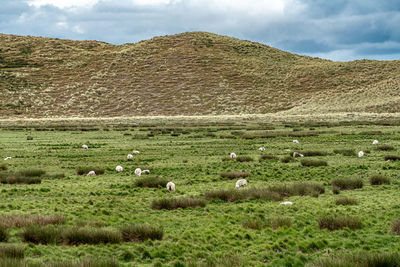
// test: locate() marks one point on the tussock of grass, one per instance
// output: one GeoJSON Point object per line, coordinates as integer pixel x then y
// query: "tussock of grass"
{"type": "Point", "coordinates": [235, 175]}
{"type": "Point", "coordinates": [348, 183]}
{"type": "Point", "coordinates": [10, 178]}
{"type": "Point", "coordinates": [287, 159]}
{"type": "Point", "coordinates": [3, 167]}
{"type": "Point", "coordinates": [234, 194]}
{"type": "Point", "coordinates": [244, 159]}
{"type": "Point", "coordinates": [3, 233]}
{"type": "Point", "coordinates": [141, 232]}
{"type": "Point", "coordinates": [313, 162]}
{"type": "Point", "coordinates": [345, 152]}
{"type": "Point", "coordinates": [16, 252]}
{"type": "Point", "coordinates": [85, 170]}
{"type": "Point", "coordinates": [396, 227]}
{"type": "Point", "coordinates": [151, 181]}
{"type": "Point", "coordinates": [268, 157]}
{"type": "Point", "coordinates": [42, 234]}
{"type": "Point", "coordinates": [391, 157]}
{"type": "Point", "coordinates": [176, 203]}
{"type": "Point", "coordinates": [313, 153]}
{"type": "Point", "coordinates": [279, 222]}
{"type": "Point", "coordinates": [346, 201]}
{"type": "Point", "coordinates": [339, 222]}
{"type": "Point", "coordinates": [385, 148]}
{"type": "Point", "coordinates": [274, 223]}
{"type": "Point", "coordinates": [298, 189]}
{"type": "Point", "coordinates": [19, 220]}
{"type": "Point", "coordinates": [88, 262]}
{"type": "Point", "coordinates": [379, 179]}
{"type": "Point", "coordinates": [78, 236]}
{"type": "Point", "coordinates": [371, 133]}
{"type": "Point", "coordinates": [31, 173]}
{"type": "Point", "coordinates": [360, 259]}
{"type": "Point", "coordinates": [255, 224]}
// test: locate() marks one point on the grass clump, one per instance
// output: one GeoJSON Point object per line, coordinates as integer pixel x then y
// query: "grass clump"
{"type": "Point", "coordinates": [279, 222]}
{"type": "Point", "coordinates": [385, 148]}
{"type": "Point", "coordinates": [3, 233]}
{"type": "Point", "coordinates": [268, 157]}
{"type": "Point", "coordinates": [10, 178]}
{"type": "Point", "coordinates": [151, 181]}
{"type": "Point", "coordinates": [391, 157]}
{"type": "Point", "coordinates": [255, 224]}
{"type": "Point", "coordinates": [313, 163]}
{"type": "Point", "coordinates": [42, 234]}
{"type": "Point", "coordinates": [346, 201]}
{"type": "Point", "coordinates": [348, 183]}
{"type": "Point", "coordinates": [85, 170]}
{"type": "Point", "coordinates": [235, 175]}
{"type": "Point", "coordinates": [19, 220]}
{"type": "Point", "coordinates": [339, 222]}
{"type": "Point", "coordinates": [78, 236]}
{"type": "Point", "coordinates": [361, 259]}
{"type": "Point", "coordinates": [396, 227]}
{"type": "Point", "coordinates": [298, 189]}
{"type": "Point", "coordinates": [287, 159]}
{"type": "Point", "coordinates": [244, 159]}
{"type": "Point", "coordinates": [345, 152]}
{"type": "Point", "coordinates": [176, 203]}
{"type": "Point", "coordinates": [16, 252]}
{"type": "Point", "coordinates": [379, 179]}
{"type": "Point", "coordinates": [231, 195]}
{"type": "Point", "coordinates": [313, 153]}
{"type": "Point", "coordinates": [31, 173]}
{"type": "Point", "coordinates": [141, 232]}
{"type": "Point", "coordinates": [3, 167]}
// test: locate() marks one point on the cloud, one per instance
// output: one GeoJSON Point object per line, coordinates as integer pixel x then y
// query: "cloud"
{"type": "Point", "coordinates": [338, 30]}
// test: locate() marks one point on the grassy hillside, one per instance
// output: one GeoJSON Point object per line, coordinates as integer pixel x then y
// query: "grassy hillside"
{"type": "Point", "coordinates": [193, 73]}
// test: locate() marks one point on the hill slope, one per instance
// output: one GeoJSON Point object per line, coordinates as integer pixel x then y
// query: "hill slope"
{"type": "Point", "coordinates": [193, 73]}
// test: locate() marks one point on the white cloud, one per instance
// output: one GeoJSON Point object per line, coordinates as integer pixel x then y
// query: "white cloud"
{"type": "Point", "coordinates": [63, 3]}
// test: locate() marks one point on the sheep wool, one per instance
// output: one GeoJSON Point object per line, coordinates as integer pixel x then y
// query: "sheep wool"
{"type": "Point", "coordinates": [171, 186]}
{"type": "Point", "coordinates": [119, 168]}
{"type": "Point", "coordinates": [240, 183]}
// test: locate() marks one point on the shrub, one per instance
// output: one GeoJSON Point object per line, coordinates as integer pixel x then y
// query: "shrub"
{"type": "Point", "coordinates": [85, 170]}
{"type": "Point", "coordinates": [313, 163]}
{"type": "Point", "coordinates": [31, 173]}
{"type": "Point", "coordinates": [385, 148]}
{"type": "Point", "coordinates": [278, 222]}
{"type": "Point", "coordinates": [141, 232]}
{"type": "Point", "coordinates": [379, 179]}
{"type": "Point", "coordinates": [313, 153]}
{"type": "Point", "coordinates": [18, 220]}
{"type": "Point", "coordinates": [16, 252]}
{"type": "Point", "coordinates": [3, 167]}
{"type": "Point", "coordinates": [391, 157]}
{"type": "Point", "coordinates": [42, 234]}
{"type": "Point", "coordinates": [268, 157]}
{"type": "Point", "coordinates": [339, 222]}
{"type": "Point", "coordinates": [151, 181]}
{"type": "Point", "coordinates": [175, 203]}
{"type": "Point", "coordinates": [286, 159]}
{"type": "Point", "coordinates": [348, 183]}
{"type": "Point", "coordinates": [234, 175]}
{"type": "Point", "coordinates": [3, 234]}
{"type": "Point", "coordinates": [77, 236]}
{"type": "Point", "coordinates": [346, 201]}
{"type": "Point", "coordinates": [345, 152]}
{"type": "Point", "coordinates": [244, 159]}
{"type": "Point", "coordinates": [396, 227]}
{"type": "Point", "coordinates": [360, 259]}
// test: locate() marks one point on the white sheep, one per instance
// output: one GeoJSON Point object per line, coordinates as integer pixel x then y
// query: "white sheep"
{"type": "Point", "coordinates": [360, 154]}
{"type": "Point", "coordinates": [233, 155]}
{"type": "Point", "coordinates": [91, 173]}
{"type": "Point", "coordinates": [130, 156]}
{"type": "Point", "coordinates": [146, 171]}
{"type": "Point", "coordinates": [286, 203]}
{"type": "Point", "coordinates": [375, 142]}
{"type": "Point", "coordinates": [297, 154]}
{"type": "Point", "coordinates": [7, 158]}
{"type": "Point", "coordinates": [171, 186]}
{"type": "Point", "coordinates": [85, 147]}
{"type": "Point", "coordinates": [138, 171]}
{"type": "Point", "coordinates": [240, 183]}
{"type": "Point", "coordinates": [119, 168]}
{"type": "Point", "coordinates": [296, 142]}
{"type": "Point", "coordinates": [135, 152]}
{"type": "Point", "coordinates": [262, 148]}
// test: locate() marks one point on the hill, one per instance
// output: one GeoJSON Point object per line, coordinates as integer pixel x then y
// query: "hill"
{"type": "Point", "coordinates": [194, 73]}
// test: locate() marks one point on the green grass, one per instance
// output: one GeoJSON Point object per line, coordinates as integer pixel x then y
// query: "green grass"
{"type": "Point", "coordinates": [206, 221]}
{"type": "Point", "coordinates": [360, 259]}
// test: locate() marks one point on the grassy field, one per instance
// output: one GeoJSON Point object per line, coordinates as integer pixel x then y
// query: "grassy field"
{"type": "Point", "coordinates": [60, 216]}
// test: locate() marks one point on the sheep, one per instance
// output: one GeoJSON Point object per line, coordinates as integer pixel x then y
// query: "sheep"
{"type": "Point", "coordinates": [296, 142]}
{"type": "Point", "coordinates": [171, 186]}
{"type": "Point", "coordinates": [146, 171]}
{"type": "Point", "coordinates": [297, 154]}
{"type": "Point", "coordinates": [233, 155]}
{"type": "Point", "coordinates": [130, 156]}
{"type": "Point", "coordinates": [138, 171]}
{"type": "Point", "coordinates": [262, 148]}
{"type": "Point", "coordinates": [7, 158]}
{"type": "Point", "coordinates": [135, 152]}
{"type": "Point", "coordinates": [241, 182]}
{"type": "Point", "coordinates": [375, 142]}
{"type": "Point", "coordinates": [91, 173]}
{"type": "Point", "coordinates": [119, 168]}
{"type": "Point", "coordinates": [85, 147]}
{"type": "Point", "coordinates": [286, 203]}
{"type": "Point", "coordinates": [360, 154]}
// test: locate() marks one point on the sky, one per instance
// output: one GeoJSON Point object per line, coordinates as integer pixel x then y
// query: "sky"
{"type": "Point", "coordinates": [341, 30]}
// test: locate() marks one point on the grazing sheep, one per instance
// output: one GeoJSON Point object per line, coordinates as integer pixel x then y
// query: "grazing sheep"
{"type": "Point", "coordinates": [130, 156]}
{"type": "Point", "coordinates": [286, 203]}
{"type": "Point", "coordinates": [171, 186]}
{"type": "Point", "coordinates": [240, 183]}
{"type": "Point", "coordinates": [91, 173]}
{"type": "Point", "coordinates": [7, 158]}
{"type": "Point", "coordinates": [135, 152]}
{"type": "Point", "coordinates": [233, 155]}
{"type": "Point", "coordinates": [297, 154]}
{"type": "Point", "coordinates": [85, 147]}
{"type": "Point", "coordinates": [138, 171]}
{"type": "Point", "coordinates": [360, 154]}
{"type": "Point", "coordinates": [296, 141]}
{"type": "Point", "coordinates": [146, 171]}
{"type": "Point", "coordinates": [262, 148]}
{"type": "Point", "coordinates": [375, 142]}
{"type": "Point", "coordinates": [119, 168]}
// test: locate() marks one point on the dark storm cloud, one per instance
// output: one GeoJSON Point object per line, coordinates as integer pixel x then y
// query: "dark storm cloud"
{"type": "Point", "coordinates": [337, 29]}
